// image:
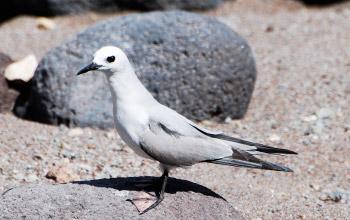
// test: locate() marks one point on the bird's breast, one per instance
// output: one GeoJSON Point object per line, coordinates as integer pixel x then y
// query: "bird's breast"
{"type": "Point", "coordinates": [130, 122]}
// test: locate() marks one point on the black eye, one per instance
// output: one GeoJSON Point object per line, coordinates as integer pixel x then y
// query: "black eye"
{"type": "Point", "coordinates": [110, 59]}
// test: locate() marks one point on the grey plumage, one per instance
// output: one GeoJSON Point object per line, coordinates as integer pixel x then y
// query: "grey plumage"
{"type": "Point", "coordinates": [186, 144]}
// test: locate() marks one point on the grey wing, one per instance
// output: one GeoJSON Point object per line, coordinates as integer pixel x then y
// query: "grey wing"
{"type": "Point", "coordinates": [174, 140]}
{"type": "Point", "coordinates": [252, 147]}
{"type": "Point", "coordinates": [180, 144]}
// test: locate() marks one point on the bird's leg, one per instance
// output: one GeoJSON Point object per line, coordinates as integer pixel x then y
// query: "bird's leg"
{"type": "Point", "coordinates": [160, 196]}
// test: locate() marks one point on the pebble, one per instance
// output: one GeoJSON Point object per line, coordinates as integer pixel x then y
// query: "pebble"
{"type": "Point", "coordinates": [22, 70]}
{"type": "Point", "coordinates": [45, 23]}
{"type": "Point", "coordinates": [37, 157]}
{"type": "Point", "coordinates": [309, 118]}
{"type": "Point", "coordinates": [273, 124]}
{"type": "Point", "coordinates": [228, 120]}
{"type": "Point", "coordinates": [110, 134]}
{"type": "Point", "coordinates": [318, 127]}
{"type": "Point", "coordinates": [315, 187]}
{"type": "Point", "coordinates": [74, 132]}
{"type": "Point", "coordinates": [347, 128]}
{"type": "Point", "coordinates": [237, 124]}
{"type": "Point", "coordinates": [68, 154]}
{"type": "Point", "coordinates": [64, 145]}
{"type": "Point", "coordinates": [31, 178]}
{"type": "Point", "coordinates": [62, 174]}
{"type": "Point", "coordinates": [334, 196]}
{"type": "Point", "coordinates": [275, 138]}
{"type": "Point", "coordinates": [325, 113]}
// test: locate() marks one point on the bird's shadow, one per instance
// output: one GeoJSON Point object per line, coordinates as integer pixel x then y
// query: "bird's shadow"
{"type": "Point", "coordinates": [132, 184]}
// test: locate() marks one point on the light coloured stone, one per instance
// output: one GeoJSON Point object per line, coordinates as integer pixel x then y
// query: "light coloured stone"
{"type": "Point", "coordinates": [75, 132]}
{"type": "Point", "coordinates": [45, 23]}
{"type": "Point", "coordinates": [22, 70]}
{"type": "Point", "coordinates": [325, 113]}
{"type": "Point", "coordinates": [62, 174]}
{"type": "Point", "coordinates": [309, 118]}
{"type": "Point", "coordinates": [275, 138]}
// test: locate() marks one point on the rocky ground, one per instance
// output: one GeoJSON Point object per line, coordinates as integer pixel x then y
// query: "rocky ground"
{"type": "Point", "coordinates": [301, 101]}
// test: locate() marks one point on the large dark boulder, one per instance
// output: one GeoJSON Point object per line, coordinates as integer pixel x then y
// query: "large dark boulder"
{"type": "Point", "coordinates": [107, 199]}
{"type": "Point", "coordinates": [171, 4]}
{"type": "Point", "coordinates": [192, 63]}
{"type": "Point", "coordinates": [10, 8]}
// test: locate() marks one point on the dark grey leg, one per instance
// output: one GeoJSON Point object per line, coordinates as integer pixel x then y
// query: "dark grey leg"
{"type": "Point", "coordinates": [160, 196]}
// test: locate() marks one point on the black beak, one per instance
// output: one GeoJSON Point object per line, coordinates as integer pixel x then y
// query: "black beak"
{"type": "Point", "coordinates": [92, 66]}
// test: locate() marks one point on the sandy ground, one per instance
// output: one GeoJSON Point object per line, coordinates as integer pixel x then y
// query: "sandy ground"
{"type": "Point", "coordinates": [301, 101]}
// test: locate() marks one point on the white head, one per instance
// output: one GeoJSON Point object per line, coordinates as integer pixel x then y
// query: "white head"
{"type": "Point", "coordinates": [108, 59]}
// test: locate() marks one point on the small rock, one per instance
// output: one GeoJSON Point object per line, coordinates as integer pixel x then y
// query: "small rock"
{"type": "Point", "coordinates": [228, 120]}
{"type": "Point", "coordinates": [68, 154]}
{"type": "Point", "coordinates": [284, 195]}
{"type": "Point", "coordinates": [62, 174]}
{"type": "Point", "coordinates": [346, 128]}
{"type": "Point", "coordinates": [309, 118]}
{"type": "Point", "coordinates": [318, 127]}
{"type": "Point", "coordinates": [62, 127]}
{"type": "Point", "coordinates": [45, 23]}
{"type": "Point", "coordinates": [207, 123]}
{"type": "Point", "coordinates": [301, 217]}
{"type": "Point", "coordinates": [65, 146]}
{"type": "Point", "coordinates": [110, 134]}
{"type": "Point", "coordinates": [275, 138]}
{"type": "Point", "coordinates": [75, 132]}
{"type": "Point", "coordinates": [315, 187]}
{"type": "Point", "coordinates": [325, 113]}
{"type": "Point", "coordinates": [334, 196]}
{"type": "Point", "coordinates": [269, 29]}
{"type": "Point", "coordinates": [31, 178]}
{"type": "Point", "coordinates": [237, 124]}
{"type": "Point", "coordinates": [21, 70]}
{"type": "Point", "coordinates": [273, 124]}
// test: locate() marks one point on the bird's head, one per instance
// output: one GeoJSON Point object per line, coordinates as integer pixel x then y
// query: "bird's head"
{"type": "Point", "coordinates": [108, 59]}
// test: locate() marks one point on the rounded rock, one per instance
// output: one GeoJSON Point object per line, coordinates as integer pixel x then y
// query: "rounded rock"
{"type": "Point", "coordinates": [191, 63]}
{"type": "Point", "coordinates": [58, 7]}
{"type": "Point", "coordinates": [107, 199]}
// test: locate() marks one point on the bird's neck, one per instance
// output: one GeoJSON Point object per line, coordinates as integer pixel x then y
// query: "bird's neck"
{"type": "Point", "coordinates": [126, 88]}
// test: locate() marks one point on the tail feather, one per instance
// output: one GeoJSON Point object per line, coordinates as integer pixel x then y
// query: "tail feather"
{"type": "Point", "coordinates": [241, 158]}
{"type": "Point", "coordinates": [258, 147]}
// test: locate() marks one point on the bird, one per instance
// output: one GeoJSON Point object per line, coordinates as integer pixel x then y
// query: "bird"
{"type": "Point", "coordinates": [159, 133]}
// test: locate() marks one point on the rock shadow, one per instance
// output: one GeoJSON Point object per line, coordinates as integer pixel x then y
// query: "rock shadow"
{"type": "Point", "coordinates": [323, 3]}
{"type": "Point", "coordinates": [133, 184]}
